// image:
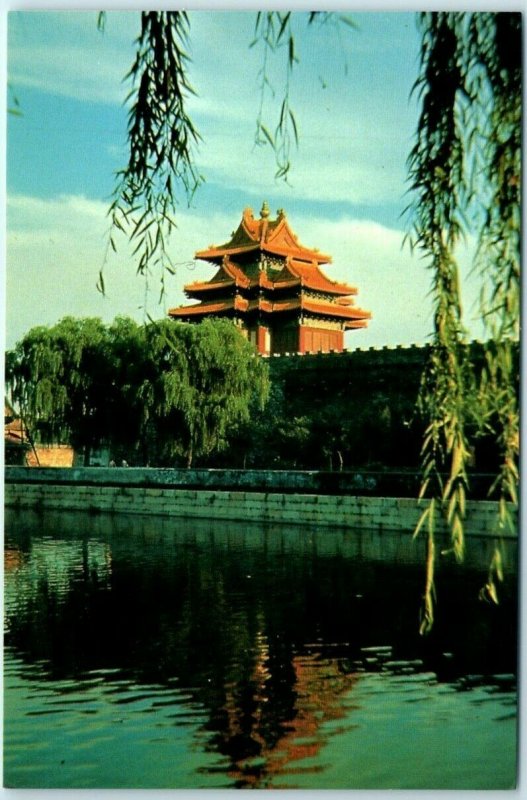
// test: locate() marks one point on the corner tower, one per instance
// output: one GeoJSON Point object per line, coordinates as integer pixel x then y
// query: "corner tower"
{"type": "Point", "coordinates": [274, 290]}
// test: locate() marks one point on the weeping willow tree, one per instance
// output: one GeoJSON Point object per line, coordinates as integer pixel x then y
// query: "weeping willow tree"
{"type": "Point", "coordinates": [59, 379]}
{"type": "Point", "coordinates": [465, 172]}
{"type": "Point", "coordinates": [208, 378]}
{"type": "Point", "coordinates": [185, 387]}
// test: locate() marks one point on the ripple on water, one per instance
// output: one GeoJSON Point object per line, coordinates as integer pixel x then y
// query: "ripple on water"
{"type": "Point", "coordinates": [217, 657]}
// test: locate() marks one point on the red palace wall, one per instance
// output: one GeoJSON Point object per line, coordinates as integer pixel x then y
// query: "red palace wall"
{"type": "Point", "coordinates": [316, 340]}
{"type": "Point", "coordinates": [301, 339]}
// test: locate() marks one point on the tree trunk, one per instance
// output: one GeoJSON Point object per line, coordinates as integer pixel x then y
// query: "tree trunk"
{"type": "Point", "coordinates": [25, 430]}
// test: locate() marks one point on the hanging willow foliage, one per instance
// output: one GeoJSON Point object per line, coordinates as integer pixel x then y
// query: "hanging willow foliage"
{"type": "Point", "coordinates": [208, 375]}
{"type": "Point", "coordinates": [161, 389]}
{"type": "Point", "coordinates": [274, 33]}
{"type": "Point", "coordinates": [161, 137]}
{"type": "Point", "coordinates": [273, 29]}
{"type": "Point", "coordinates": [465, 175]}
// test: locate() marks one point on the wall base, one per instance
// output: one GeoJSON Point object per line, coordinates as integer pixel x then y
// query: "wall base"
{"type": "Point", "coordinates": [380, 513]}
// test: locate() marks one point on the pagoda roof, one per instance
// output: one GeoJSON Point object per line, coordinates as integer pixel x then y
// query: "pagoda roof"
{"type": "Point", "coordinates": [13, 427]}
{"type": "Point", "coordinates": [323, 308]}
{"type": "Point", "coordinates": [295, 273]}
{"type": "Point", "coordinates": [265, 235]}
{"type": "Point", "coordinates": [312, 277]}
{"type": "Point", "coordinates": [214, 307]}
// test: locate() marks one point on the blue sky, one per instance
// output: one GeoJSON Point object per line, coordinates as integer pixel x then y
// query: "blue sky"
{"type": "Point", "coordinates": [350, 93]}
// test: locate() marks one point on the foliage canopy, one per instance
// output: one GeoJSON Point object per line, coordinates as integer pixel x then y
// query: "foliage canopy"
{"type": "Point", "coordinates": [165, 390]}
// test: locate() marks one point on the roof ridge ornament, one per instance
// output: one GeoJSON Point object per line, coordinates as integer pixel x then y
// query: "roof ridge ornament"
{"type": "Point", "coordinates": [264, 217]}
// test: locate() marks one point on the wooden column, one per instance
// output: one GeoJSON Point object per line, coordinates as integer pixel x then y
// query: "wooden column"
{"type": "Point", "coordinates": [263, 340]}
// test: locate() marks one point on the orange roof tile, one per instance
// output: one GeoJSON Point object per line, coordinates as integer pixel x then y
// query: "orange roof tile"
{"type": "Point", "coordinates": [230, 274]}
{"type": "Point", "coordinates": [312, 277]}
{"type": "Point", "coordinates": [264, 234]}
{"type": "Point", "coordinates": [206, 286]}
{"type": "Point", "coordinates": [202, 308]}
{"type": "Point", "coordinates": [320, 307]}
{"type": "Point", "coordinates": [300, 268]}
{"type": "Point", "coordinates": [325, 308]}
{"type": "Point", "coordinates": [294, 274]}
{"type": "Point", "coordinates": [358, 323]}
{"type": "Point", "coordinates": [274, 307]}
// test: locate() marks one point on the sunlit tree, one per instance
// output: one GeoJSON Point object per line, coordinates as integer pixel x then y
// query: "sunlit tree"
{"type": "Point", "coordinates": [58, 379]}
{"type": "Point", "coordinates": [208, 376]}
{"type": "Point", "coordinates": [160, 391]}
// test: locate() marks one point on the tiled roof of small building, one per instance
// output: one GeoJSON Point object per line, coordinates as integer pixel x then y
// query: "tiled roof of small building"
{"type": "Point", "coordinates": [13, 429]}
{"type": "Point", "coordinates": [312, 277]}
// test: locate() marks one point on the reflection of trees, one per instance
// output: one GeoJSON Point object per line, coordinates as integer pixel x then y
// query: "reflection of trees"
{"type": "Point", "coordinates": [232, 623]}
{"type": "Point", "coordinates": [41, 577]}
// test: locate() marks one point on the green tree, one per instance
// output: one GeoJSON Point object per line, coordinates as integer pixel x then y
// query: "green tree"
{"type": "Point", "coordinates": [132, 431]}
{"type": "Point", "coordinates": [208, 376]}
{"type": "Point", "coordinates": [154, 391]}
{"type": "Point", "coordinates": [58, 378]}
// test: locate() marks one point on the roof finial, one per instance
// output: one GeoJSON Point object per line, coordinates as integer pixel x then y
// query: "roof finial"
{"type": "Point", "coordinates": [264, 213]}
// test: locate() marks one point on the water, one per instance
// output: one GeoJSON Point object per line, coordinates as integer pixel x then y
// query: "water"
{"type": "Point", "coordinates": [151, 653]}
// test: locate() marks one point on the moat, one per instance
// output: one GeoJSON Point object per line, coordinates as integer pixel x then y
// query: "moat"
{"type": "Point", "coordinates": [148, 652]}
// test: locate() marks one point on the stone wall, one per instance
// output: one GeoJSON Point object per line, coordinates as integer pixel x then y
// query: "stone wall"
{"type": "Point", "coordinates": [88, 490]}
{"type": "Point", "coordinates": [353, 409]}
{"type": "Point", "coordinates": [286, 481]}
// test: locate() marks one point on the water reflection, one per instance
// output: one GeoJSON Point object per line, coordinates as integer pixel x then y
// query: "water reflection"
{"type": "Point", "coordinates": [252, 645]}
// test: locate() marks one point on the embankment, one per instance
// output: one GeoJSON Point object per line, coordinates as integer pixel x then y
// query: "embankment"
{"type": "Point", "coordinates": [340, 500]}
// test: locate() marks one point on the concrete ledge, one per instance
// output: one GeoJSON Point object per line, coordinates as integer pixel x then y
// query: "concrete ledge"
{"type": "Point", "coordinates": [281, 481]}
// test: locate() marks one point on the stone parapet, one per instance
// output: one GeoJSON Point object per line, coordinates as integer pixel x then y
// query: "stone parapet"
{"type": "Point", "coordinates": [310, 481]}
